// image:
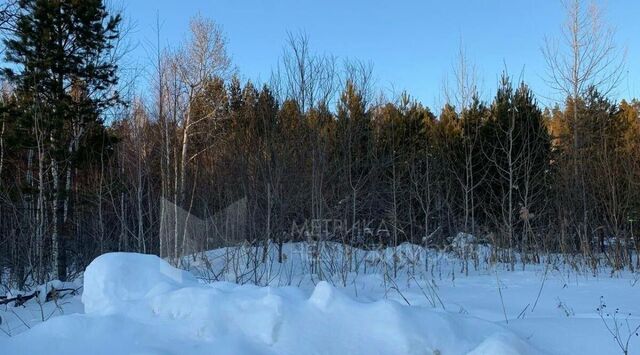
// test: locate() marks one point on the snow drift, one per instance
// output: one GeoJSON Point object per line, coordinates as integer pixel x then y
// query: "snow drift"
{"type": "Point", "coordinates": [113, 279]}
{"type": "Point", "coordinates": [139, 304]}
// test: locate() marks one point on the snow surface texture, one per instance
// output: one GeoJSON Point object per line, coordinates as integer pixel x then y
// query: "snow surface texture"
{"type": "Point", "coordinates": [139, 304]}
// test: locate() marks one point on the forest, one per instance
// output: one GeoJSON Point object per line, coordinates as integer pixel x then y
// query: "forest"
{"type": "Point", "coordinates": [89, 165]}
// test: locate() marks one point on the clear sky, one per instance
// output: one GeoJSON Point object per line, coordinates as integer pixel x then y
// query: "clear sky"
{"type": "Point", "coordinates": [411, 43]}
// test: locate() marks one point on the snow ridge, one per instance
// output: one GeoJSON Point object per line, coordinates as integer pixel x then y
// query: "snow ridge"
{"type": "Point", "coordinates": [140, 304]}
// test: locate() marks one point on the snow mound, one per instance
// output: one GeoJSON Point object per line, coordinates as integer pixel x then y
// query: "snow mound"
{"type": "Point", "coordinates": [324, 295]}
{"type": "Point", "coordinates": [114, 278]}
{"type": "Point", "coordinates": [140, 304]}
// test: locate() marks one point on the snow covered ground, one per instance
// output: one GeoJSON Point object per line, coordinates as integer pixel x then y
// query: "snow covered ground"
{"type": "Point", "coordinates": [330, 300]}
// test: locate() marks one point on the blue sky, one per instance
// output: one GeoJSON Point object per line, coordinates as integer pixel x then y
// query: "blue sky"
{"type": "Point", "coordinates": [412, 44]}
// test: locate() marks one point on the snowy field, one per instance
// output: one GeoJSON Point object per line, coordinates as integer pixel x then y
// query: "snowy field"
{"type": "Point", "coordinates": [330, 300]}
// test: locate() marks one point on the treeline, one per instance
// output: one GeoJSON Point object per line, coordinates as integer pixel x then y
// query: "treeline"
{"type": "Point", "coordinates": [85, 170]}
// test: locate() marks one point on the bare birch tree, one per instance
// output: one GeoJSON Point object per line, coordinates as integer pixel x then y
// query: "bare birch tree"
{"type": "Point", "coordinates": [585, 56]}
{"type": "Point", "coordinates": [465, 90]}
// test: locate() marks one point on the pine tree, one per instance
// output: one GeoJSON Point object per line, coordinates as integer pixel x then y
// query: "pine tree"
{"type": "Point", "coordinates": [518, 146]}
{"type": "Point", "coordinates": [62, 66]}
{"type": "Point", "coordinates": [354, 152]}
